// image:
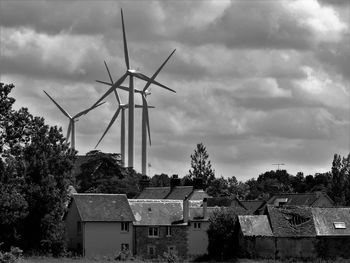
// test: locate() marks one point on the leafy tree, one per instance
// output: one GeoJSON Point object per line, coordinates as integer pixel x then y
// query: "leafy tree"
{"type": "Point", "coordinates": [340, 187]}
{"type": "Point", "coordinates": [201, 166]}
{"type": "Point", "coordinates": [218, 187]}
{"type": "Point", "coordinates": [160, 180]}
{"type": "Point", "coordinates": [223, 233]}
{"type": "Point", "coordinates": [35, 173]}
{"type": "Point", "coordinates": [103, 173]}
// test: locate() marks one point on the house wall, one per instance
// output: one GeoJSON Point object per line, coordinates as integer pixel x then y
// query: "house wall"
{"type": "Point", "coordinates": [288, 247]}
{"type": "Point", "coordinates": [73, 238]}
{"type": "Point", "coordinates": [198, 239]}
{"type": "Point", "coordinates": [105, 238]}
{"type": "Point", "coordinates": [333, 247]}
{"type": "Point", "coordinates": [178, 239]}
{"type": "Point", "coordinates": [256, 246]}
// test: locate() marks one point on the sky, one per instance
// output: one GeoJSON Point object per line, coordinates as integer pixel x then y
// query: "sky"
{"type": "Point", "coordinates": [257, 82]}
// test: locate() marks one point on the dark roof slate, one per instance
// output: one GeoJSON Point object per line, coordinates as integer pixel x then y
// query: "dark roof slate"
{"type": "Point", "coordinates": [291, 221]}
{"type": "Point", "coordinates": [103, 207]}
{"type": "Point", "coordinates": [252, 225]}
{"type": "Point", "coordinates": [154, 193]}
{"type": "Point", "coordinates": [253, 205]}
{"type": "Point", "coordinates": [156, 212]}
{"type": "Point", "coordinates": [180, 192]}
{"type": "Point", "coordinates": [324, 219]}
{"type": "Point", "coordinates": [299, 199]}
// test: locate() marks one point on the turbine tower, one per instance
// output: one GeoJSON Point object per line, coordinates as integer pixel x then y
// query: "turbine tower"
{"type": "Point", "coordinates": [121, 108]}
{"type": "Point", "coordinates": [131, 73]}
{"type": "Point", "coordinates": [72, 120]}
{"type": "Point", "coordinates": [145, 117]}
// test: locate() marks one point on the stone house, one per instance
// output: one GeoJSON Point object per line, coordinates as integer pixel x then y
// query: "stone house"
{"type": "Point", "coordinates": [332, 231]}
{"type": "Point", "coordinates": [159, 228]}
{"type": "Point", "coordinates": [255, 237]}
{"type": "Point", "coordinates": [314, 199]}
{"type": "Point", "coordinates": [99, 224]}
{"type": "Point", "coordinates": [294, 232]}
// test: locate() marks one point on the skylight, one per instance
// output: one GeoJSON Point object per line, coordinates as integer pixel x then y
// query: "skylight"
{"type": "Point", "coordinates": [339, 225]}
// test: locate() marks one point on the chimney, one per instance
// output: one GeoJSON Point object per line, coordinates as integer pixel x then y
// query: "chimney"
{"type": "Point", "coordinates": [144, 182]}
{"type": "Point", "coordinates": [205, 206]}
{"type": "Point", "coordinates": [198, 183]}
{"type": "Point", "coordinates": [186, 210]}
{"type": "Point", "coordinates": [174, 181]}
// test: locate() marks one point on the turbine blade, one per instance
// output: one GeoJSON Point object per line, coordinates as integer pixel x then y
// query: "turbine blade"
{"type": "Point", "coordinates": [145, 105]}
{"type": "Point", "coordinates": [126, 54]}
{"type": "Point", "coordinates": [117, 95]}
{"type": "Point", "coordinates": [109, 126]}
{"type": "Point", "coordinates": [111, 89]}
{"type": "Point", "coordinates": [104, 82]}
{"type": "Point", "coordinates": [87, 110]}
{"type": "Point", "coordinates": [157, 72]}
{"type": "Point", "coordinates": [61, 109]}
{"type": "Point", "coordinates": [144, 77]}
{"type": "Point", "coordinates": [123, 88]}
{"type": "Point", "coordinates": [69, 130]}
{"type": "Point", "coordinates": [109, 73]}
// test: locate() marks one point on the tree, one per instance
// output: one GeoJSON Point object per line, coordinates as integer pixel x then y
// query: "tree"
{"type": "Point", "coordinates": [223, 233]}
{"type": "Point", "coordinates": [160, 180]}
{"type": "Point", "coordinates": [201, 166]}
{"type": "Point", "coordinates": [340, 191]}
{"type": "Point", "coordinates": [218, 187]}
{"type": "Point", "coordinates": [103, 173]}
{"type": "Point", "coordinates": [35, 173]}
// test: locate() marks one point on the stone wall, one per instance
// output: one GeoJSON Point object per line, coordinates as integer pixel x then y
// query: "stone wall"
{"type": "Point", "coordinates": [333, 247]}
{"type": "Point", "coordinates": [256, 247]}
{"type": "Point", "coordinates": [161, 243]}
{"type": "Point", "coordinates": [289, 247]}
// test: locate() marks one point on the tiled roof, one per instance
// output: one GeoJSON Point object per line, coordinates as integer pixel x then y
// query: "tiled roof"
{"type": "Point", "coordinates": [297, 199]}
{"type": "Point", "coordinates": [180, 192]}
{"type": "Point", "coordinates": [154, 193]}
{"type": "Point", "coordinates": [225, 202]}
{"type": "Point", "coordinates": [253, 205]}
{"type": "Point", "coordinates": [198, 195]}
{"type": "Point", "coordinates": [156, 212]}
{"type": "Point", "coordinates": [103, 207]}
{"type": "Point", "coordinates": [291, 221]}
{"type": "Point", "coordinates": [324, 219]}
{"type": "Point", "coordinates": [255, 225]}
{"type": "Point", "coordinates": [196, 213]}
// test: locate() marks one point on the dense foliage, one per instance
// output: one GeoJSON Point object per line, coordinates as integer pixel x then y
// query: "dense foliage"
{"type": "Point", "coordinates": [35, 164]}
{"type": "Point", "coordinates": [103, 173]}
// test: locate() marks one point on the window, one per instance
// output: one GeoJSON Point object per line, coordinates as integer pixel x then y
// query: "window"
{"type": "Point", "coordinates": [151, 250]}
{"type": "Point", "coordinates": [153, 232]}
{"type": "Point", "coordinates": [196, 225]}
{"type": "Point", "coordinates": [168, 231]}
{"type": "Point", "coordinates": [339, 225]}
{"type": "Point", "coordinates": [125, 247]}
{"type": "Point", "coordinates": [79, 228]}
{"type": "Point", "coordinates": [125, 227]}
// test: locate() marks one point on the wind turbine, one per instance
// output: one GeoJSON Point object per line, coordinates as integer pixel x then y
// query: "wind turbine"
{"type": "Point", "coordinates": [145, 117]}
{"type": "Point", "coordinates": [121, 108]}
{"type": "Point", "coordinates": [72, 120]}
{"type": "Point", "coordinates": [131, 73]}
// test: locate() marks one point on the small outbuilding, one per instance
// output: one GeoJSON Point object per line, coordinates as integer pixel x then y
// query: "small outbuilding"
{"type": "Point", "coordinates": [255, 237]}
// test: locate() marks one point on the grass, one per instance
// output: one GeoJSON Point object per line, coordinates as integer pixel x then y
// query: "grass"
{"type": "Point", "coordinates": [83, 260]}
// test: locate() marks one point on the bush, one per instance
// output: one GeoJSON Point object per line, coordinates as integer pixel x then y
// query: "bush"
{"type": "Point", "coordinates": [14, 256]}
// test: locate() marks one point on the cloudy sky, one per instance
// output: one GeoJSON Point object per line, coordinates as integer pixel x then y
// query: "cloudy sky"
{"type": "Point", "coordinates": [258, 82]}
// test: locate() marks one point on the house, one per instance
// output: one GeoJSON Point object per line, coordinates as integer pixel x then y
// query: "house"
{"type": "Point", "coordinates": [255, 237]}
{"type": "Point", "coordinates": [99, 224]}
{"type": "Point", "coordinates": [159, 227]}
{"type": "Point", "coordinates": [314, 199]}
{"type": "Point", "coordinates": [332, 227]}
{"type": "Point", "coordinates": [294, 231]}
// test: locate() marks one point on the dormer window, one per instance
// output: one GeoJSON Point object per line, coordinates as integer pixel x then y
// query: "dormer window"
{"type": "Point", "coordinates": [280, 201]}
{"type": "Point", "coordinates": [339, 225]}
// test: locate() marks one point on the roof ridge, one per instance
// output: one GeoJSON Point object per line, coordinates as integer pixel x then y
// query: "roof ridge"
{"type": "Point", "coordinates": [98, 194]}
{"type": "Point", "coordinates": [157, 187]}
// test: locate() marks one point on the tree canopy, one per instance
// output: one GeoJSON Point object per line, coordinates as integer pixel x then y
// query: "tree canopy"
{"type": "Point", "coordinates": [35, 164]}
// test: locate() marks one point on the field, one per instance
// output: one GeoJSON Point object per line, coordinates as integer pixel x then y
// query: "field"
{"type": "Point", "coordinates": [81, 260]}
